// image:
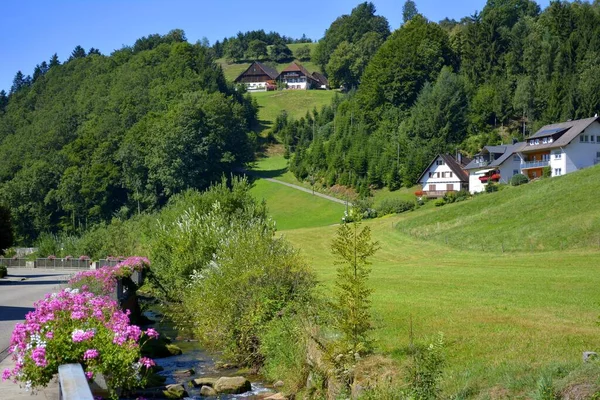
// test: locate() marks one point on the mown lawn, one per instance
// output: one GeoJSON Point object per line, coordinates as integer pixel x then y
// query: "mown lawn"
{"type": "Point", "coordinates": [295, 102]}
{"type": "Point", "coordinates": [506, 318]}
{"type": "Point", "coordinates": [545, 215]}
{"type": "Point", "coordinates": [292, 209]}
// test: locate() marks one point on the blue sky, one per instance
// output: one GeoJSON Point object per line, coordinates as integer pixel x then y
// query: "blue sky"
{"type": "Point", "coordinates": [34, 30]}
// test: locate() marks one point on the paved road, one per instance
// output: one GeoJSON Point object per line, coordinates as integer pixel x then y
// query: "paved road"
{"type": "Point", "coordinates": [18, 291]}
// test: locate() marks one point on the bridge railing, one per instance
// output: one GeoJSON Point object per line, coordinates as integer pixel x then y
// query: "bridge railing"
{"type": "Point", "coordinates": [72, 383]}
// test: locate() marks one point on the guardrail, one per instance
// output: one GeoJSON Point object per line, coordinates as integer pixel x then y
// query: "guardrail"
{"type": "Point", "coordinates": [535, 164]}
{"type": "Point", "coordinates": [72, 383]}
{"type": "Point", "coordinates": [13, 262]}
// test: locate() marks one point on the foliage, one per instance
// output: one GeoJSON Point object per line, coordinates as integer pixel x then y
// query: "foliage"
{"type": "Point", "coordinates": [105, 136]}
{"type": "Point", "coordinates": [279, 52]}
{"type": "Point", "coordinates": [409, 10]}
{"type": "Point", "coordinates": [223, 47]}
{"type": "Point", "coordinates": [3, 271]}
{"type": "Point", "coordinates": [352, 248]}
{"type": "Point", "coordinates": [518, 179]}
{"type": "Point", "coordinates": [252, 278]}
{"type": "Point", "coordinates": [546, 172]}
{"type": "Point", "coordinates": [545, 389]}
{"type": "Point", "coordinates": [350, 29]}
{"type": "Point", "coordinates": [78, 327]}
{"type": "Point", "coordinates": [491, 187]}
{"type": "Point", "coordinates": [6, 229]}
{"type": "Point", "coordinates": [394, 206]}
{"type": "Point", "coordinates": [425, 371]}
{"type": "Point", "coordinates": [303, 53]}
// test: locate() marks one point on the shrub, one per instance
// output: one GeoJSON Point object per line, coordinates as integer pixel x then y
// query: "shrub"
{"type": "Point", "coordinates": [3, 271]}
{"type": "Point", "coordinates": [78, 327]}
{"type": "Point", "coordinates": [491, 187]}
{"type": "Point", "coordinates": [252, 278]}
{"type": "Point", "coordinates": [440, 202]}
{"type": "Point", "coordinates": [395, 206]}
{"type": "Point", "coordinates": [425, 371]}
{"type": "Point", "coordinates": [546, 172]}
{"type": "Point", "coordinates": [518, 179]}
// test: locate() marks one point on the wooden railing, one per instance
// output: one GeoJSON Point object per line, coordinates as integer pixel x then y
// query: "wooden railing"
{"type": "Point", "coordinates": [436, 193]}
{"type": "Point", "coordinates": [72, 383]}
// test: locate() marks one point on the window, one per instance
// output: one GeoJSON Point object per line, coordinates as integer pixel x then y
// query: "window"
{"type": "Point", "coordinates": [537, 141]}
{"type": "Point", "coordinates": [515, 172]}
{"type": "Point", "coordinates": [545, 157]}
{"type": "Point", "coordinates": [581, 138]}
{"type": "Point", "coordinates": [450, 174]}
{"type": "Point", "coordinates": [598, 154]}
{"type": "Point", "coordinates": [587, 139]}
{"type": "Point", "coordinates": [439, 162]}
{"type": "Point", "coordinates": [545, 140]}
{"type": "Point", "coordinates": [592, 138]}
{"type": "Point", "coordinates": [431, 173]}
{"type": "Point", "coordinates": [557, 171]}
{"type": "Point", "coordinates": [438, 174]}
{"type": "Point", "coordinates": [557, 156]}
{"type": "Point", "coordinates": [549, 140]}
{"type": "Point", "coordinates": [531, 142]}
{"type": "Point", "coordinates": [597, 139]}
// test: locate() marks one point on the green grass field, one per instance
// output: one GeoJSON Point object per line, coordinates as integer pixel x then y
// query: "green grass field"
{"type": "Point", "coordinates": [550, 214]}
{"type": "Point", "coordinates": [293, 209]}
{"type": "Point", "coordinates": [295, 102]}
{"type": "Point", "coordinates": [508, 318]}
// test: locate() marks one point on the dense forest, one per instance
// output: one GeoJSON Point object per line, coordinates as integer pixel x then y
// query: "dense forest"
{"type": "Point", "coordinates": [101, 136]}
{"type": "Point", "coordinates": [442, 87]}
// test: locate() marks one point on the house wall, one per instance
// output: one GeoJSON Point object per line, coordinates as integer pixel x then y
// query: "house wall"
{"type": "Point", "coordinates": [508, 168]}
{"type": "Point", "coordinates": [441, 183]}
{"type": "Point", "coordinates": [578, 155]}
{"type": "Point", "coordinates": [475, 184]}
{"type": "Point", "coordinates": [558, 162]}
{"type": "Point", "coordinates": [296, 82]}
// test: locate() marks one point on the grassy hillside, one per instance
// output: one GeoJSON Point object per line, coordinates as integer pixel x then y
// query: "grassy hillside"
{"type": "Point", "coordinates": [507, 319]}
{"type": "Point", "coordinates": [295, 102]}
{"type": "Point", "coordinates": [293, 209]}
{"type": "Point", "coordinates": [546, 215]}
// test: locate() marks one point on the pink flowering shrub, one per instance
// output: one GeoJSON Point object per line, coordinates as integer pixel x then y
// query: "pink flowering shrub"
{"type": "Point", "coordinates": [103, 281]}
{"type": "Point", "coordinates": [78, 327]}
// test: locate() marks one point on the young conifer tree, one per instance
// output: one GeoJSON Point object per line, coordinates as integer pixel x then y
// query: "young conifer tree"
{"type": "Point", "coordinates": [352, 247]}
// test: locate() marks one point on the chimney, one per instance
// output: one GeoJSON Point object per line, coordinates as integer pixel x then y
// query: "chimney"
{"type": "Point", "coordinates": [459, 157]}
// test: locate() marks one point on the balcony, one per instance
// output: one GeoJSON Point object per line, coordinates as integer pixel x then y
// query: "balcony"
{"type": "Point", "coordinates": [535, 164]}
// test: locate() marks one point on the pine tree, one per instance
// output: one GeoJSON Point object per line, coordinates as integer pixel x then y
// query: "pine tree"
{"type": "Point", "coordinates": [352, 248]}
{"type": "Point", "coordinates": [18, 82]}
{"type": "Point", "coordinates": [3, 100]}
{"type": "Point", "coordinates": [409, 10]}
{"type": "Point", "coordinates": [78, 52]}
{"type": "Point", "coordinates": [54, 61]}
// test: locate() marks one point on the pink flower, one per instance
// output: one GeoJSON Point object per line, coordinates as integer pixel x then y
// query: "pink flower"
{"type": "Point", "coordinates": [50, 335]}
{"type": "Point", "coordinates": [6, 374]}
{"type": "Point", "coordinates": [152, 333]}
{"type": "Point", "coordinates": [147, 362]}
{"type": "Point", "coordinates": [77, 315]}
{"type": "Point", "coordinates": [39, 356]}
{"type": "Point", "coordinates": [90, 354]}
{"type": "Point", "coordinates": [79, 335]}
{"type": "Point", "coordinates": [89, 374]}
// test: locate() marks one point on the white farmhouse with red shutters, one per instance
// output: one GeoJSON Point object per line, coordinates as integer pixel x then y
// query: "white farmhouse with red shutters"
{"type": "Point", "coordinates": [445, 174]}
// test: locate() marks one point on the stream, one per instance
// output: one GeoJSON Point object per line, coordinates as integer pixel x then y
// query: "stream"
{"type": "Point", "coordinates": [196, 358]}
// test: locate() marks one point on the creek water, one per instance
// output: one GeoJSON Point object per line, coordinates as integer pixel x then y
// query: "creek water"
{"type": "Point", "coordinates": [195, 358]}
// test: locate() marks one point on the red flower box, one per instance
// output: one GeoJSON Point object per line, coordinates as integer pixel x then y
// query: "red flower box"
{"type": "Point", "coordinates": [419, 193]}
{"type": "Point", "coordinates": [484, 178]}
{"type": "Point", "coordinates": [495, 177]}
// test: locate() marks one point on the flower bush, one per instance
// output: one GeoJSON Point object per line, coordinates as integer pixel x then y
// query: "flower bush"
{"type": "Point", "coordinates": [103, 281]}
{"type": "Point", "coordinates": [75, 326]}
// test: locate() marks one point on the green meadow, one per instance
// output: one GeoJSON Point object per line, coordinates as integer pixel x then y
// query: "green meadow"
{"type": "Point", "coordinates": [507, 318]}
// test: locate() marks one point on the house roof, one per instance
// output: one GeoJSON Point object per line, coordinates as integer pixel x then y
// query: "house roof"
{"type": "Point", "coordinates": [453, 164]}
{"type": "Point", "coordinates": [297, 67]}
{"type": "Point", "coordinates": [506, 150]}
{"type": "Point", "coordinates": [270, 71]}
{"type": "Point", "coordinates": [320, 78]}
{"type": "Point", "coordinates": [571, 130]}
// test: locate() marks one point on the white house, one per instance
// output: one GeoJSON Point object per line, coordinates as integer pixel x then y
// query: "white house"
{"type": "Point", "coordinates": [564, 147]}
{"type": "Point", "coordinates": [444, 174]}
{"type": "Point", "coordinates": [494, 164]}
{"type": "Point", "coordinates": [295, 76]}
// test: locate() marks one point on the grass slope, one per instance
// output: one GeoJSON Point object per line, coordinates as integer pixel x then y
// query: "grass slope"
{"type": "Point", "coordinates": [506, 318]}
{"type": "Point", "coordinates": [292, 209]}
{"type": "Point", "coordinates": [550, 214]}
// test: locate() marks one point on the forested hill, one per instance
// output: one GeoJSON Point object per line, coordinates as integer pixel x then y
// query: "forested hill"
{"type": "Point", "coordinates": [440, 87]}
{"type": "Point", "coordinates": [100, 136]}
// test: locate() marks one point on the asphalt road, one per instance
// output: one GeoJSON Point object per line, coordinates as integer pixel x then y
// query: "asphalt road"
{"type": "Point", "coordinates": [18, 291]}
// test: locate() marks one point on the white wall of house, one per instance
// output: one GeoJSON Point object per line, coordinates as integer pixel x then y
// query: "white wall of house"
{"type": "Point", "coordinates": [509, 168]}
{"type": "Point", "coordinates": [475, 185]}
{"type": "Point", "coordinates": [441, 177]}
{"type": "Point", "coordinates": [296, 83]}
{"type": "Point", "coordinates": [558, 162]}
{"type": "Point", "coordinates": [256, 86]}
{"type": "Point", "coordinates": [578, 154]}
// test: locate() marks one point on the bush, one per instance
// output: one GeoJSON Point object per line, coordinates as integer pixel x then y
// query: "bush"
{"type": "Point", "coordinates": [440, 202]}
{"type": "Point", "coordinates": [3, 271]}
{"type": "Point", "coordinates": [395, 206]}
{"type": "Point", "coordinates": [546, 172]}
{"type": "Point", "coordinates": [425, 372]}
{"type": "Point", "coordinates": [518, 179]}
{"type": "Point", "coordinates": [252, 278]}
{"type": "Point", "coordinates": [491, 187]}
